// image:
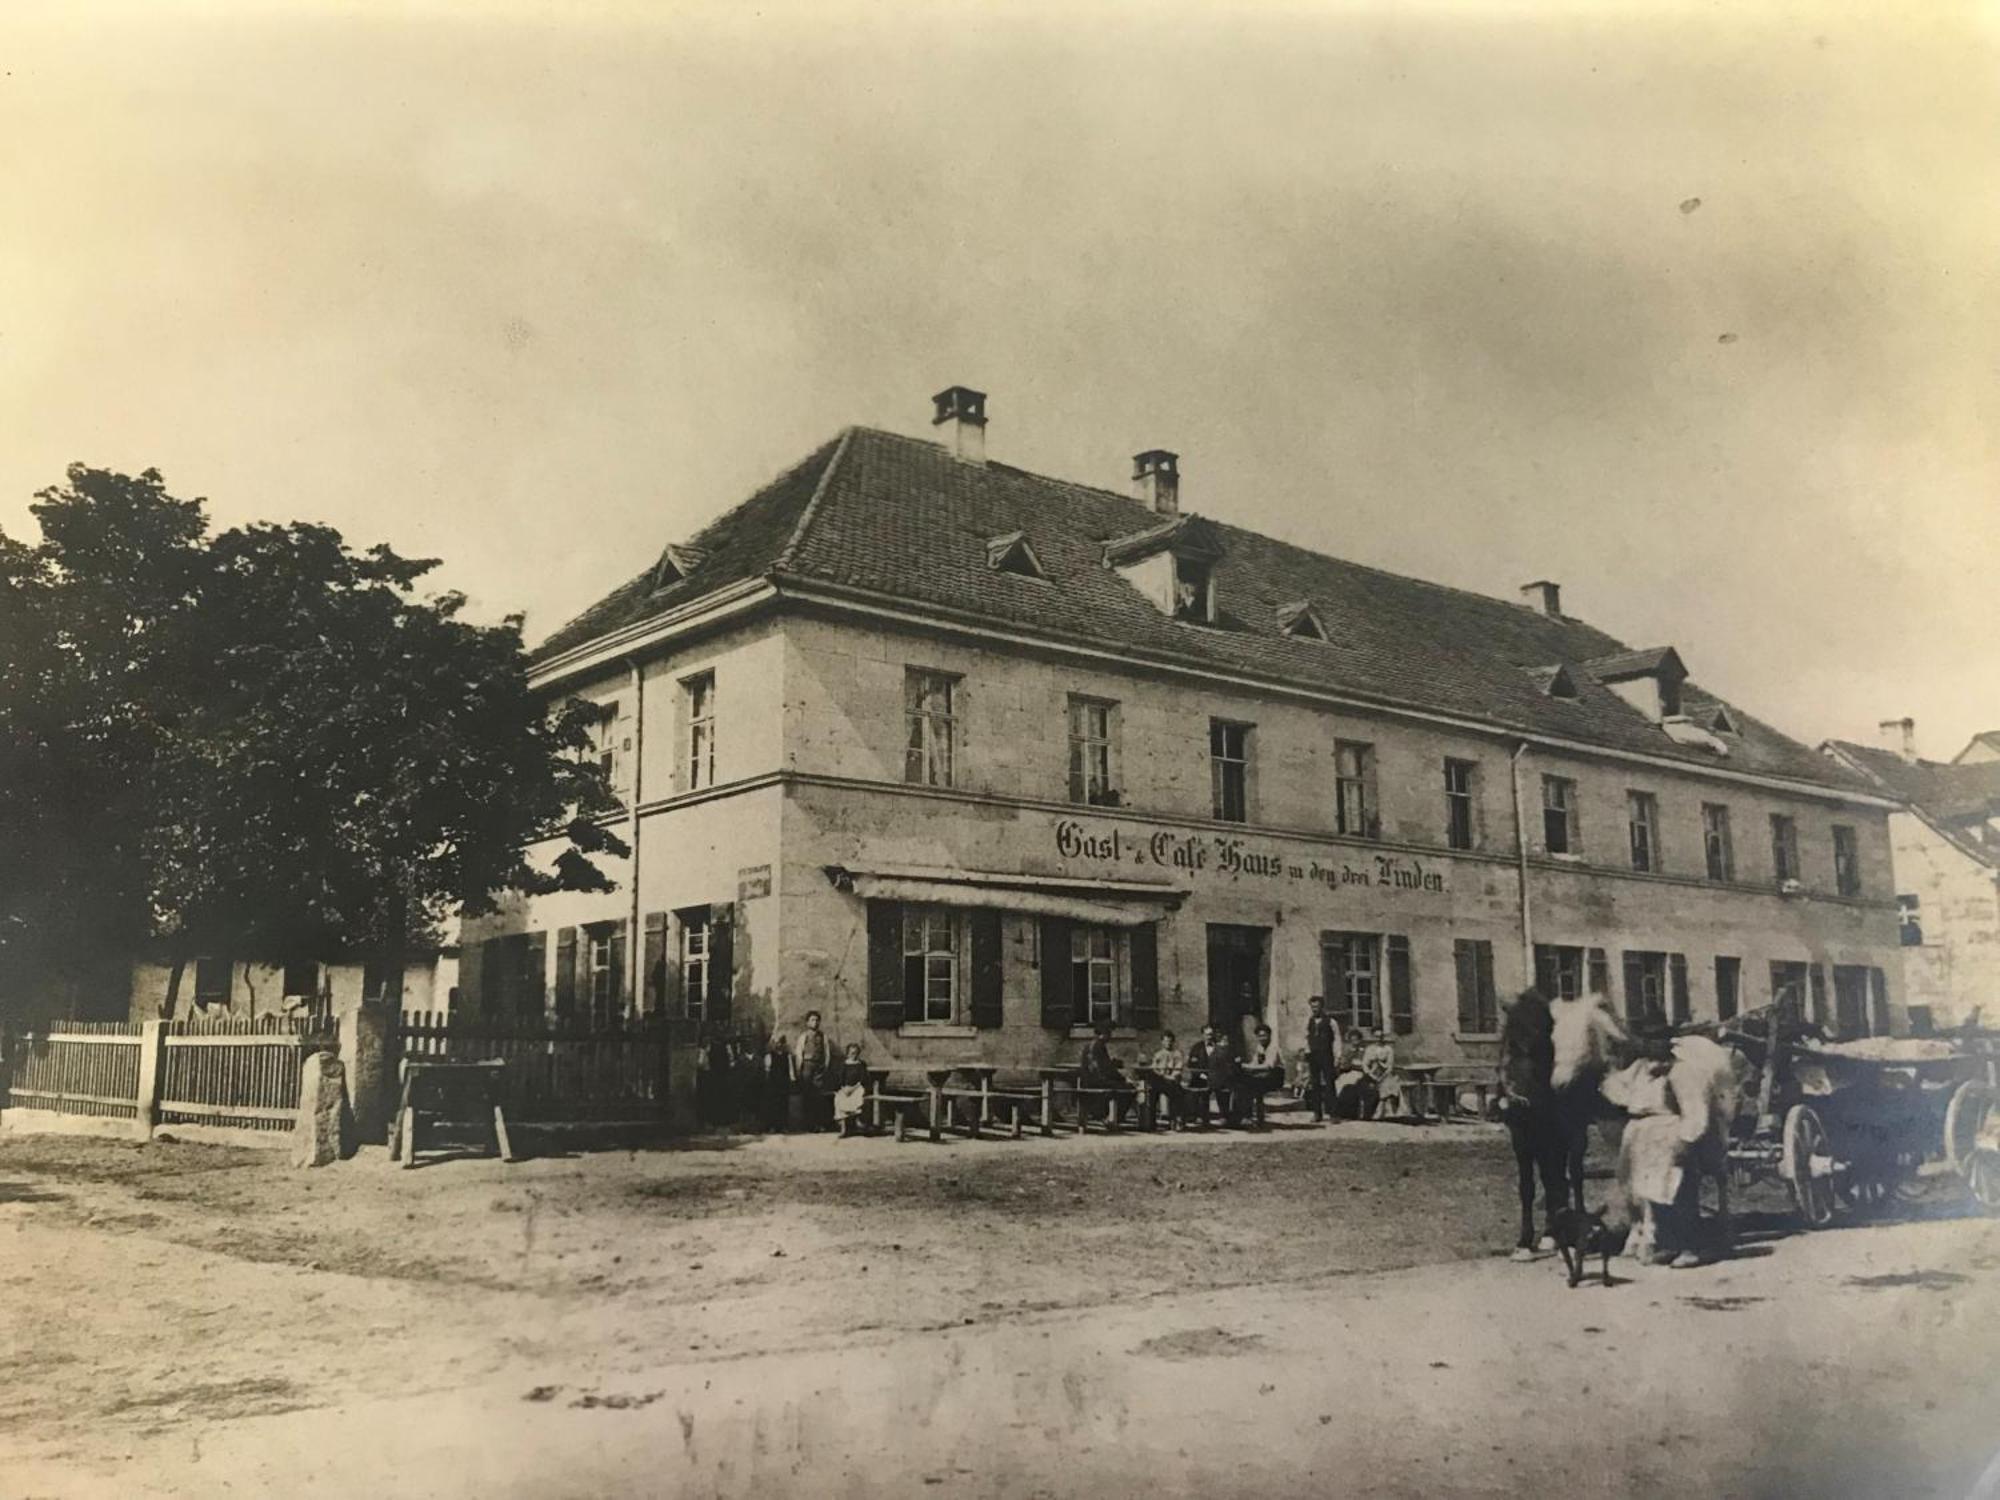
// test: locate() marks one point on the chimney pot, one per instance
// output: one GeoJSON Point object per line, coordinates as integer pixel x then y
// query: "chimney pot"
{"type": "Point", "coordinates": [1543, 597]}
{"type": "Point", "coordinates": [1900, 737]}
{"type": "Point", "coordinates": [961, 411]}
{"type": "Point", "coordinates": [1156, 479]}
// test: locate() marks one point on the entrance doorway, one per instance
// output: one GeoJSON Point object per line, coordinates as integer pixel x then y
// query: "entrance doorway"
{"type": "Point", "coordinates": [1236, 967]}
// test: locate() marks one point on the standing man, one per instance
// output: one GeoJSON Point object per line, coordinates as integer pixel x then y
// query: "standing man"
{"type": "Point", "coordinates": [813, 1062]}
{"type": "Point", "coordinates": [1322, 1053]}
{"type": "Point", "coordinates": [1200, 1082]}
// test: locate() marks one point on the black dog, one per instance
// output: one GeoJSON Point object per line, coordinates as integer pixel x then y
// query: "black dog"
{"type": "Point", "coordinates": [1580, 1234]}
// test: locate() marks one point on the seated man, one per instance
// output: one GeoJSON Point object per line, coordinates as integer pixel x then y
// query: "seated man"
{"type": "Point", "coordinates": [1169, 1069]}
{"type": "Point", "coordinates": [1225, 1078]}
{"type": "Point", "coordinates": [1098, 1069]}
{"type": "Point", "coordinates": [1199, 1087]}
{"type": "Point", "coordinates": [1263, 1070]}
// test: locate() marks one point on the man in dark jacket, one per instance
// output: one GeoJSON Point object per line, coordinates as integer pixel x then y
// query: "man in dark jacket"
{"type": "Point", "coordinates": [1527, 1061]}
{"type": "Point", "coordinates": [1098, 1069]}
{"type": "Point", "coordinates": [1322, 1053]}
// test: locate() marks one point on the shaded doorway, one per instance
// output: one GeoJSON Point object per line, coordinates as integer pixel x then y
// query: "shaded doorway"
{"type": "Point", "coordinates": [1236, 968]}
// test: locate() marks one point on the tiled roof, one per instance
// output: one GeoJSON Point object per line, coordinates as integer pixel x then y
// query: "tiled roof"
{"type": "Point", "coordinates": [900, 516]}
{"type": "Point", "coordinates": [1990, 738]}
{"type": "Point", "coordinates": [1951, 794]}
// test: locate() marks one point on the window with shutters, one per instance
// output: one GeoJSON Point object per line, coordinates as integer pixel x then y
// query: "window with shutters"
{"type": "Point", "coordinates": [930, 713]}
{"type": "Point", "coordinates": [1229, 763]}
{"type": "Point", "coordinates": [699, 706]}
{"type": "Point", "coordinates": [1478, 1002]}
{"type": "Point", "coordinates": [1559, 971]}
{"type": "Point", "coordinates": [1646, 988]}
{"type": "Point", "coordinates": [601, 984]}
{"type": "Point", "coordinates": [1846, 861]}
{"type": "Point", "coordinates": [1561, 833]}
{"type": "Point", "coordinates": [1716, 846]}
{"type": "Point", "coordinates": [1352, 980]}
{"type": "Point", "coordinates": [1094, 980]}
{"type": "Point", "coordinates": [1788, 987]}
{"type": "Point", "coordinates": [930, 963]}
{"type": "Point", "coordinates": [1461, 800]}
{"type": "Point", "coordinates": [1091, 722]}
{"type": "Point", "coordinates": [1728, 987]}
{"type": "Point", "coordinates": [1850, 1001]}
{"type": "Point", "coordinates": [1642, 817]}
{"type": "Point", "coordinates": [1354, 791]}
{"type": "Point", "coordinates": [1784, 849]}
{"type": "Point", "coordinates": [695, 945]}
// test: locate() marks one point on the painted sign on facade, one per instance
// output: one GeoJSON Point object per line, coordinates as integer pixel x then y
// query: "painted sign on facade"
{"type": "Point", "coordinates": [1227, 854]}
{"type": "Point", "coordinates": [753, 881]}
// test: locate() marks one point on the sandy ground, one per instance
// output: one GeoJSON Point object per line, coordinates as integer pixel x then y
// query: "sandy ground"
{"type": "Point", "coordinates": [1177, 1315]}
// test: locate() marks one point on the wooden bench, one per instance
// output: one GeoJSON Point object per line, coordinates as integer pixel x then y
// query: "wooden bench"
{"type": "Point", "coordinates": [902, 1106]}
{"type": "Point", "coordinates": [1115, 1097]}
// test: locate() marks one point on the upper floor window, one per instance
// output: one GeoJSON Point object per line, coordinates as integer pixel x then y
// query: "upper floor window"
{"type": "Point", "coordinates": [930, 703]}
{"type": "Point", "coordinates": [1560, 831]}
{"type": "Point", "coordinates": [1461, 797]}
{"type": "Point", "coordinates": [930, 963]}
{"type": "Point", "coordinates": [1229, 763]}
{"type": "Point", "coordinates": [1784, 848]}
{"type": "Point", "coordinates": [1642, 815]}
{"type": "Point", "coordinates": [609, 743]}
{"type": "Point", "coordinates": [1354, 778]}
{"type": "Point", "coordinates": [700, 703]}
{"type": "Point", "coordinates": [1091, 721]}
{"type": "Point", "coordinates": [1715, 841]}
{"type": "Point", "coordinates": [1910, 921]}
{"type": "Point", "coordinates": [1846, 861]}
{"type": "Point", "coordinates": [1194, 590]}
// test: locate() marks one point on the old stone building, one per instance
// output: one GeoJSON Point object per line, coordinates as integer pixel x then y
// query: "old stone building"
{"type": "Point", "coordinates": [1946, 849]}
{"type": "Point", "coordinates": [969, 758]}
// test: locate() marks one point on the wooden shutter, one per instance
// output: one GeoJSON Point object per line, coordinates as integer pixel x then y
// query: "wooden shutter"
{"type": "Point", "coordinates": [1547, 979]}
{"type": "Point", "coordinates": [986, 1008]}
{"type": "Point", "coordinates": [721, 960]}
{"type": "Point", "coordinates": [1489, 998]}
{"type": "Point", "coordinates": [885, 965]}
{"type": "Point", "coordinates": [1465, 960]}
{"type": "Point", "coordinates": [1402, 1002]}
{"type": "Point", "coordinates": [1878, 1003]}
{"type": "Point", "coordinates": [1145, 956]}
{"type": "Point", "coordinates": [565, 973]}
{"type": "Point", "coordinates": [1677, 981]}
{"type": "Point", "coordinates": [534, 999]}
{"type": "Point", "coordinates": [653, 955]}
{"type": "Point", "coordinates": [1057, 1005]}
{"type": "Point", "coordinates": [1333, 977]}
{"type": "Point", "coordinates": [1635, 989]}
{"type": "Point", "coordinates": [1817, 975]}
{"type": "Point", "coordinates": [471, 969]}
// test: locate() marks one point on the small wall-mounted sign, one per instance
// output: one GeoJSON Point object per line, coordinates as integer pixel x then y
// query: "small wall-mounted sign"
{"type": "Point", "coordinates": [753, 881]}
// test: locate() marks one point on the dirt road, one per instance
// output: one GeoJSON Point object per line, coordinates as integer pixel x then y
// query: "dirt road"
{"type": "Point", "coordinates": [1183, 1316]}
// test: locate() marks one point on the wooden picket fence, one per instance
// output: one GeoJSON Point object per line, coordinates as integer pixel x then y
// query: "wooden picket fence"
{"type": "Point", "coordinates": [230, 1071]}
{"type": "Point", "coordinates": [557, 1074]}
{"type": "Point", "coordinates": [76, 1068]}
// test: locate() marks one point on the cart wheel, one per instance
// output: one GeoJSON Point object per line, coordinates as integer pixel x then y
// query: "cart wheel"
{"type": "Point", "coordinates": [1972, 1141]}
{"type": "Point", "coordinates": [1808, 1166]}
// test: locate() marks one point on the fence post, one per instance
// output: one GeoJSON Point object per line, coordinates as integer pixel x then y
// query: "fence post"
{"type": "Point", "coordinates": [367, 1043]}
{"type": "Point", "coordinates": [152, 1074]}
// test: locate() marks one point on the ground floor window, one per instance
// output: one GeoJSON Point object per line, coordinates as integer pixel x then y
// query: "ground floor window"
{"type": "Point", "coordinates": [211, 981]}
{"type": "Point", "coordinates": [695, 965]}
{"type": "Point", "coordinates": [1788, 987]}
{"type": "Point", "coordinates": [1094, 986]}
{"type": "Point", "coordinates": [930, 963]}
{"type": "Point", "coordinates": [1728, 987]}
{"type": "Point", "coordinates": [1352, 978]}
{"type": "Point", "coordinates": [1478, 1003]}
{"type": "Point", "coordinates": [1850, 1000]}
{"type": "Point", "coordinates": [1646, 988]}
{"type": "Point", "coordinates": [1558, 971]}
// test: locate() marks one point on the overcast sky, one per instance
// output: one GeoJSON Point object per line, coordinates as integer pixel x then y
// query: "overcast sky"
{"type": "Point", "coordinates": [1690, 307]}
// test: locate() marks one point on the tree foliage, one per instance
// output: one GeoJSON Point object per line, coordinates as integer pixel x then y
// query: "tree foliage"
{"type": "Point", "coordinates": [261, 741]}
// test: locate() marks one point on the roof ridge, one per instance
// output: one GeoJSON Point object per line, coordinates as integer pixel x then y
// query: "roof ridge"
{"type": "Point", "coordinates": [783, 561]}
{"type": "Point", "coordinates": [1346, 562]}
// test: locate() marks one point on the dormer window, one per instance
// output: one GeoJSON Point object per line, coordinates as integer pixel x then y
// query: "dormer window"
{"type": "Point", "coordinates": [675, 563]}
{"type": "Point", "coordinates": [1301, 621]}
{"type": "Point", "coordinates": [1194, 590]}
{"type": "Point", "coordinates": [1556, 682]}
{"type": "Point", "coordinates": [1723, 722]}
{"type": "Point", "coordinates": [1013, 554]}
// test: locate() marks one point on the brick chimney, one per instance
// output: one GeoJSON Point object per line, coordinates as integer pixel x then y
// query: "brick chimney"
{"type": "Point", "coordinates": [1543, 597]}
{"type": "Point", "coordinates": [1156, 479]}
{"type": "Point", "coordinates": [1899, 736]}
{"type": "Point", "coordinates": [961, 412]}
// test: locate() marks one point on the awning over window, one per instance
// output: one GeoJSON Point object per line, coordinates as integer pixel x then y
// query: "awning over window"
{"type": "Point", "coordinates": [1105, 903]}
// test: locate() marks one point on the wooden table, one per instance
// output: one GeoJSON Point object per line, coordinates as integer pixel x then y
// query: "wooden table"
{"type": "Point", "coordinates": [440, 1080]}
{"type": "Point", "coordinates": [878, 1081]}
{"type": "Point", "coordinates": [982, 1075]}
{"type": "Point", "coordinates": [1051, 1076]}
{"type": "Point", "coordinates": [1422, 1088]}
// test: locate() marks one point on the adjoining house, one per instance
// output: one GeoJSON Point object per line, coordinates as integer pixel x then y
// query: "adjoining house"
{"type": "Point", "coordinates": [1946, 843]}
{"type": "Point", "coordinates": [969, 759]}
{"type": "Point", "coordinates": [214, 985]}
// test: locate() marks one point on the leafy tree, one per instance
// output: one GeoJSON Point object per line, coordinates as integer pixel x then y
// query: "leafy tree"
{"type": "Point", "coordinates": [309, 755]}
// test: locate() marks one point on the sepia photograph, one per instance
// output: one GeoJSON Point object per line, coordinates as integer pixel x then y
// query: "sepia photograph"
{"type": "Point", "coordinates": [877, 748]}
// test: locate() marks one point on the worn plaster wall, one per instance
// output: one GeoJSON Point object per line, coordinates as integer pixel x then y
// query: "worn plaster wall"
{"type": "Point", "coordinates": [1957, 966]}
